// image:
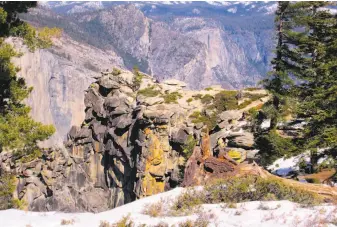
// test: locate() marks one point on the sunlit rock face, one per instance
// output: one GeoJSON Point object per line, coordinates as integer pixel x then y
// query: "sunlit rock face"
{"type": "Point", "coordinates": [138, 138]}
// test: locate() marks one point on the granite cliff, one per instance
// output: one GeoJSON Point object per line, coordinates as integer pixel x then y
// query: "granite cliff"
{"type": "Point", "coordinates": [139, 137]}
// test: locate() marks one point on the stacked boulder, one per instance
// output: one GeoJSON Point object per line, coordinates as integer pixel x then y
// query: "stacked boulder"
{"type": "Point", "coordinates": [133, 143]}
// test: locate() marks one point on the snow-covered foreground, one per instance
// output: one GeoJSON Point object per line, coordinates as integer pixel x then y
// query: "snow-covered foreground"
{"type": "Point", "coordinates": [274, 213]}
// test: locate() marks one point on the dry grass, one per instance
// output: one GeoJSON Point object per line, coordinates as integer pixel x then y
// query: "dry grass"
{"type": "Point", "coordinates": [154, 209]}
{"type": "Point", "coordinates": [67, 222]}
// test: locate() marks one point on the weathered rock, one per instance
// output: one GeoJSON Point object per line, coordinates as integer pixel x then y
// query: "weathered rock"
{"type": "Point", "coordinates": [84, 132]}
{"type": "Point", "coordinates": [124, 122]}
{"type": "Point", "coordinates": [149, 101]}
{"type": "Point", "coordinates": [180, 136]}
{"type": "Point", "coordinates": [128, 147]}
{"type": "Point", "coordinates": [113, 101]}
{"type": "Point", "coordinates": [218, 166]}
{"type": "Point", "coordinates": [73, 132]}
{"type": "Point", "coordinates": [108, 82]}
{"type": "Point", "coordinates": [246, 141]}
{"type": "Point", "coordinates": [174, 82]}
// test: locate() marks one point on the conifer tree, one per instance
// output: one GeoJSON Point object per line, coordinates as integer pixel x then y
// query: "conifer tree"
{"type": "Point", "coordinates": [318, 88]}
{"type": "Point", "coordinates": [305, 67]}
{"type": "Point", "coordinates": [18, 131]}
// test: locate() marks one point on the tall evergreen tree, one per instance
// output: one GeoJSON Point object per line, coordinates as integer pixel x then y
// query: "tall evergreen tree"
{"type": "Point", "coordinates": [304, 67]}
{"type": "Point", "coordinates": [318, 88]}
{"type": "Point", "coordinates": [18, 131]}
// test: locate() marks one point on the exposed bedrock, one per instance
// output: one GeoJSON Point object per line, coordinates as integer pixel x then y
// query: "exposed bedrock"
{"type": "Point", "coordinates": [133, 143]}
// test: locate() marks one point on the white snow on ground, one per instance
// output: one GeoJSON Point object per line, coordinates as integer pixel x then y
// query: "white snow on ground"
{"type": "Point", "coordinates": [283, 166]}
{"type": "Point", "coordinates": [250, 214]}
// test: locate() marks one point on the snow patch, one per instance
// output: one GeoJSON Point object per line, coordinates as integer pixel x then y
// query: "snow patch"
{"type": "Point", "coordinates": [283, 166]}
{"type": "Point", "coordinates": [232, 10]}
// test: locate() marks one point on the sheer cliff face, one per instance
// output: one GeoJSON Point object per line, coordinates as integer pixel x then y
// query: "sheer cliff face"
{"type": "Point", "coordinates": [60, 76]}
{"type": "Point", "coordinates": [200, 50]}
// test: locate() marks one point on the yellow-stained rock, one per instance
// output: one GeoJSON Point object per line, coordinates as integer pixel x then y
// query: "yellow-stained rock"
{"type": "Point", "coordinates": [158, 170]}
{"type": "Point", "coordinates": [206, 145]}
{"type": "Point", "coordinates": [221, 143]}
{"type": "Point", "coordinates": [156, 153]}
{"type": "Point", "coordinates": [151, 186]}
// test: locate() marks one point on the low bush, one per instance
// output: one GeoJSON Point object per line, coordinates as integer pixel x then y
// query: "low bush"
{"type": "Point", "coordinates": [244, 189]}
{"type": "Point", "coordinates": [7, 187]}
{"type": "Point", "coordinates": [245, 103]}
{"type": "Point", "coordinates": [137, 80]}
{"type": "Point", "coordinates": [149, 92]}
{"type": "Point", "coordinates": [104, 224]}
{"type": "Point", "coordinates": [154, 209]}
{"type": "Point", "coordinates": [208, 89]}
{"type": "Point", "coordinates": [116, 71]}
{"type": "Point", "coordinates": [252, 88]}
{"type": "Point", "coordinates": [197, 96]}
{"type": "Point", "coordinates": [207, 99]}
{"type": "Point", "coordinates": [189, 100]}
{"type": "Point", "coordinates": [124, 222]}
{"type": "Point", "coordinates": [225, 100]}
{"type": "Point", "coordinates": [172, 97]}
{"type": "Point", "coordinates": [188, 147]}
{"type": "Point", "coordinates": [67, 222]}
{"type": "Point", "coordinates": [187, 203]}
{"type": "Point", "coordinates": [200, 117]}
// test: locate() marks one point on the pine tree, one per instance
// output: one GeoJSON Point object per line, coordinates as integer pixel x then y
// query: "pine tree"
{"type": "Point", "coordinates": [18, 131]}
{"type": "Point", "coordinates": [278, 82]}
{"type": "Point", "coordinates": [318, 88]}
{"type": "Point", "coordinates": [305, 67]}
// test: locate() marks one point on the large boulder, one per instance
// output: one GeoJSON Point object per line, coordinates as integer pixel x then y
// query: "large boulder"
{"type": "Point", "coordinates": [108, 82]}
{"type": "Point", "coordinates": [245, 140]}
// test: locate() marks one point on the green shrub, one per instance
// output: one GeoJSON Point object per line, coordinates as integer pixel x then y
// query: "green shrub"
{"type": "Point", "coordinates": [36, 38]}
{"type": "Point", "coordinates": [172, 97]}
{"type": "Point", "coordinates": [187, 203]}
{"type": "Point", "coordinates": [236, 190]}
{"type": "Point", "coordinates": [207, 99]}
{"type": "Point", "coordinates": [197, 96]}
{"type": "Point", "coordinates": [253, 112]}
{"type": "Point", "coordinates": [137, 80]}
{"type": "Point", "coordinates": [149, 92]}
{"type": "Point", "coordinates": [208, 89]}
{"type": "Point", "coordinates": [189, 100]}
{"type": "Point", "coordinates": [189, 146]}
{"type": "Point", "coordinates": [252, 88]}
{"type": "Point", "coordinates": [125, 222]}
{"type": "Point", "coordinates": [7, 187]}
{"type": "Point", "coordinates": [195, 114]}
{"type": "Point", "coordinates": [225, 100]}
{"type": "Point", "coordinates": [245, 103]}
{"type": "Point", "coordinates": [116, 71]}
{"type": "Point", "coordinates": [20, 204]}
{"type": "Point", "coordinates": [198, 117]}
